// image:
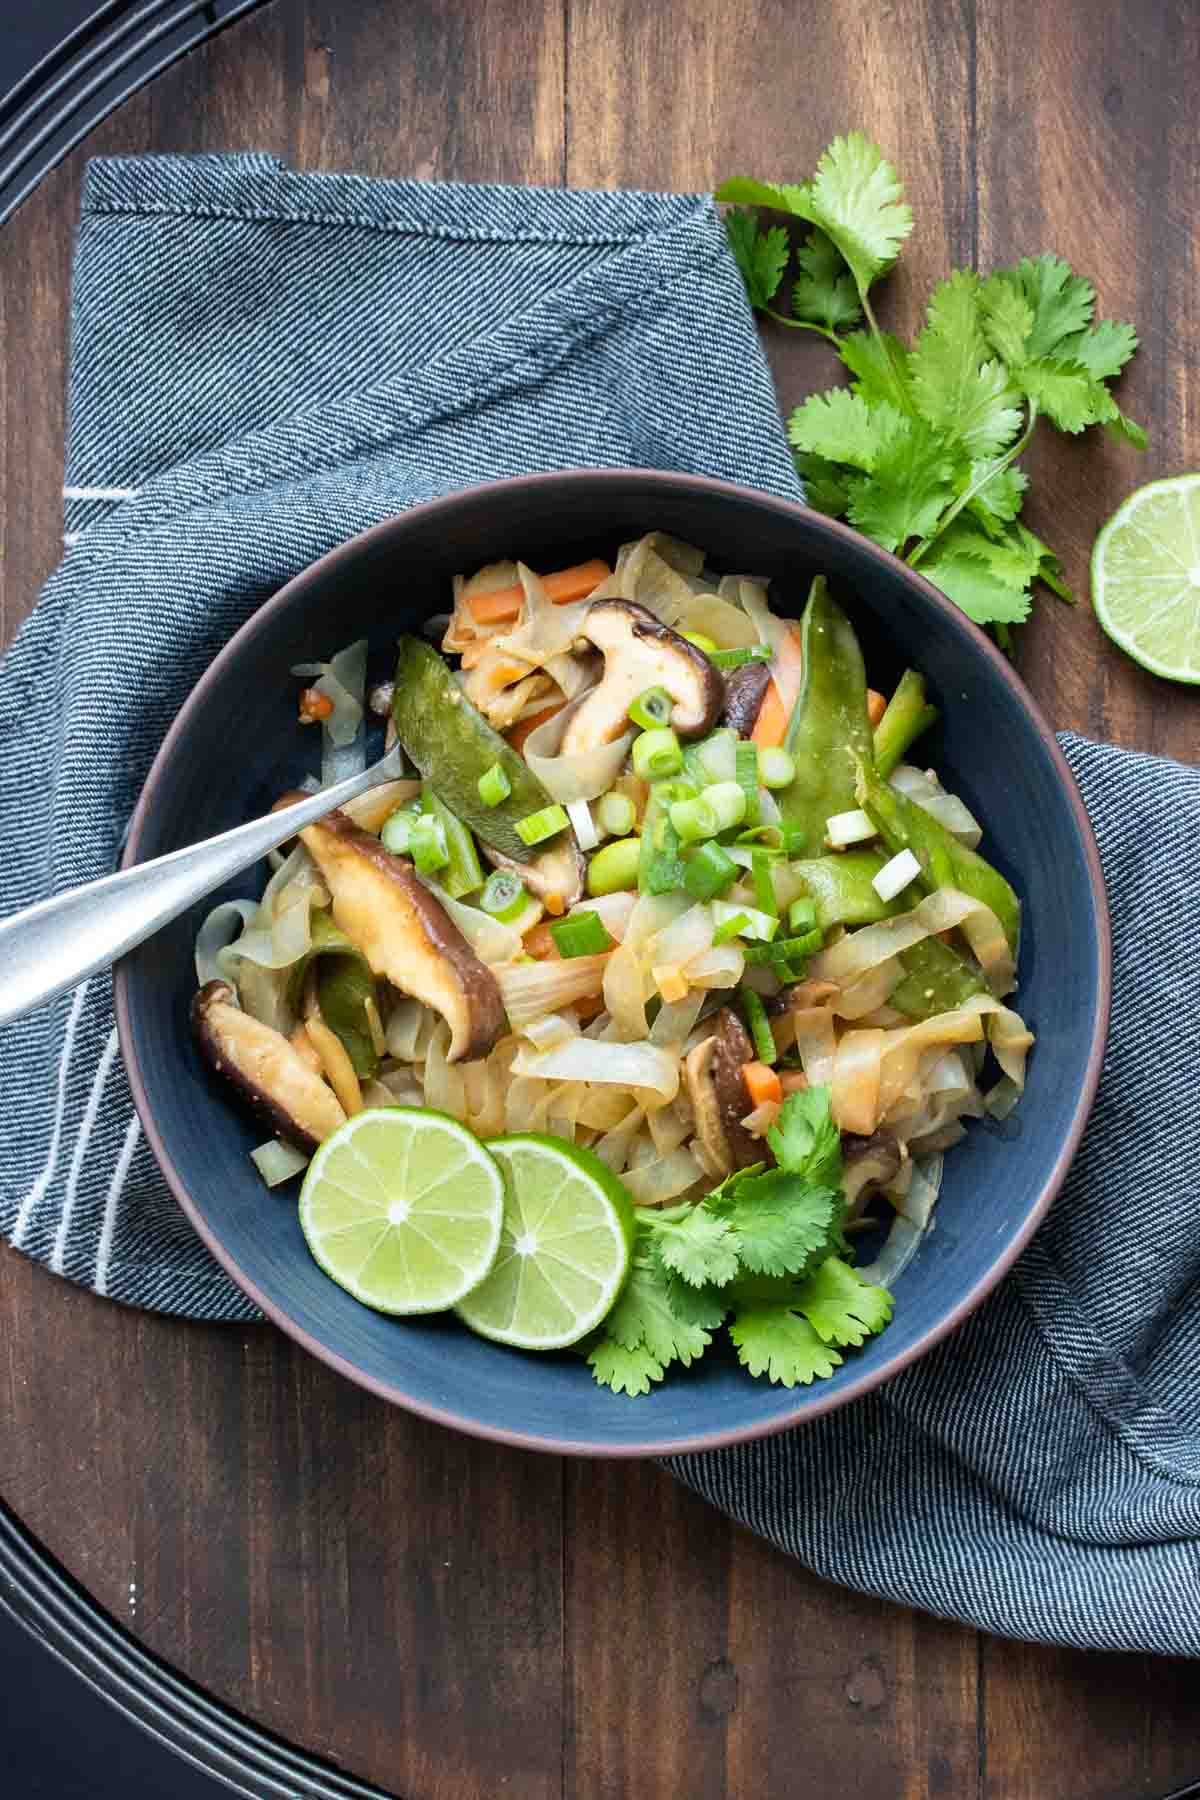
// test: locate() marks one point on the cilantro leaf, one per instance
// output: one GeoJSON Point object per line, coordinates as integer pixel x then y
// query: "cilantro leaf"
{"type": "Point", "coordinates": [805, 1139]}
{"type": "Point", "coordinates": [840, 1306]}
{"type": "Point", "coordinates": [958, 391]}
{"type": "Point", "coordinates": [1065, 392]}
{"type": "Point", "coordinates": [858, 201]}
{"type": "Point", "coordinates": [911, 482]}
{"type": "Point", "coordinates": [760, 255]}
{"type": "Point", "coordinates": [998, 499]}
{"type": "Point", "coordinates": [704, 1306]}
{"type": "Point", "coordinates": [785, 196]}
{"type": "Point", "coordinates": [1126, 430]}
{"type": "Point", "coordinates": [824, 292]}
{"type": "Point", "coordinates": [1006, 318]}
{"type": "Point", "coordinates": [781, 1221]}
{"type": "Point", "coordinates": [1061, 302]}
{"type": "Point", "coordinates": [773, 1340]}
{"type": "Point", "coordinates": [1103, 351]}
{"type": "Point", "coordinates": [985, 596]}
{"type": "Point", "coordinates": [879, 365]}
{"type": "Point", "coordinates": [824, 483]}
{"type": "Point", "coordinates": [623, 1370]}
{"type": "Point", "coordinates": [643, 1315]}
{"type": "Point", "coordinates": [841, 427]}
{"type": "Point", "coordinates": [700, 1248]}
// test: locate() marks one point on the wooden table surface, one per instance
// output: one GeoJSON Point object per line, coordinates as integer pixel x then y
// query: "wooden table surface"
{"type": "Point", "coordinates": [451, 1618]}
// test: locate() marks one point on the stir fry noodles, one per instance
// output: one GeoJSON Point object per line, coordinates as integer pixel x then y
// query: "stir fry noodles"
{"type": "Point", "coordinates": [665, 860]}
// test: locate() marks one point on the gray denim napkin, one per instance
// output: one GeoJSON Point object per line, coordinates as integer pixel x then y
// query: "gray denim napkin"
{"type": "Point", "coordinates": [264, 363]}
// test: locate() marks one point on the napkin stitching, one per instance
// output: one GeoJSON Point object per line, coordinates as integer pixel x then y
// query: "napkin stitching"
{"type": "Point", "coordinates": [454, 234]}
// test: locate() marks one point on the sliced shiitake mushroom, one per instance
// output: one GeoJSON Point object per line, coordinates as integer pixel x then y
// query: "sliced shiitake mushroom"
{"type": "Point", "coordinates": [559, 871]}
{"type": "Point", "coordinates": [405, 933]}
{"type": "Point", "coordinates": [744, 690]}
{"type": "Point", "coordinates": [641, 653]}
{"type": "Point", "coordinates": [713, 1077]}
{"type": "Point", "coordinates": [272, 1077]}
{"type": "Point", "coordinates": [868, 1162]}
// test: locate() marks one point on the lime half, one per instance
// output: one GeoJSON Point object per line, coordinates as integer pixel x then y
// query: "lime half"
{"type": "Point", "coordinates": [1146, 577]}
{"type": "Point", "coordinates": [403, 1208]}
{"type": "Point", "coordinates": [564, 1248]}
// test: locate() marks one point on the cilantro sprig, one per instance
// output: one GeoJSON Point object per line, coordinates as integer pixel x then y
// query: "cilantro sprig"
{"type": "Point", "coordinates": [764, 1253]}
{"type": "Point", "coordinates": [920, 451]}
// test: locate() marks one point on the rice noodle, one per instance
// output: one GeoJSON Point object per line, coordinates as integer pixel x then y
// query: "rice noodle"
{"type": "Point", "coordinates": [569, 778]}
{"type": "Point", "coordinates": [944, 910]}
{"type": "Point", "coordinates": [530, 990]}
{"type": "Point", "coordinates": [372, 810]}
{"type": "Point", "coordinates": [613, 1148]}
{"type": "Point", "coordinates": [492, 941]}
{"type": "Point", "coordinates": [857, 1073]}
{"type": "Point", "coordinates": [214, 936]}
{"type": "Point", "coordinates": [816, 1043]}
{"type": "Point", "coordinates": [925, 791]}
{"type": "Point", "coordinates": [665, 1178]}
{"type": "Point", "coordinates": [624, 1065]}
{"type": "Point", "coordinates": [553, 1028]}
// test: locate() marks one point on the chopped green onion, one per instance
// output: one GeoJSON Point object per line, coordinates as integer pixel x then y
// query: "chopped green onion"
{"type": "Point", "coordinates": [727, 801]}
{"type": "Point", "coordinates": [397, 830]}
{"type": "Point", "coordinates": [795, 839]}
{"type": "Point", "coordinates": [764, 885]}
{"type": "Point", "coordinates": [802, 914]}
{"type": "Point", "coordinates": [583, 934]}
{"type": "Point", "coordinates": [656, 754]}
{"type": "Point", "coordinates": [776, 768]}
{"type": "Point", "coordinates": [536, 827]}
{"type": "Point", "coordinates": [615, 868]}
{"type": "Point", "coordinates": [652, 709]}
{"type": "Point", "coordinates": [754, 924]}
{"type": "Point", "coordinates": [463, 873]}
{"type": "Point", "coordinates": [668, 792]}
{"type": "Point", "coordinates": [660, 869]}
{"type": "Point", "coordinates": [732, 927]}
{"type": "Point", "coordinates": [694, 820]}
{"type": "Point", "coordinates": [759, 1026]}
{"type": "Point", "coordinates": [503, 896]}
{"type": "Point", "coordinates": [427, 844]}
{"type": "Point", "coordinates": [616, 814]}
{"type": "Point", "coordinates": [707, 644]}
{"type": "Point", "coordinates": [853, 827]}
{"type": "Point", "coordinates": [763, 837]}
{"type": "Point", "coordinates": [708, 872]}
{"type": "Point", "coordinates": [747, 779]}
{"type": "Point", "coordinates": [494, 786]}
{"type": "Point", "coordinates": [713, 758]}
{"type": "Point", "coordinates": [733, 659]}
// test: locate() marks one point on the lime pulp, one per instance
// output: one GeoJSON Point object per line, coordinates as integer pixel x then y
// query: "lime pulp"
{"type": "Point", "coordinates": [1146, 577]}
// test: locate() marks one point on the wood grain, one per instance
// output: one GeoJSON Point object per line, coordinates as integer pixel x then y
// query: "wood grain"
{"type": "Point", "coordinates": [449, 1618]}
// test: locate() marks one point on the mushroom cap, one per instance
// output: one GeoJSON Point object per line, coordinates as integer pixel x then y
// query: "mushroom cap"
{"type": "Point", "coordinates": [720, 1101]}
{"type": "Point", "coordinates": [744, 690]}
{"type": "Point", "coordinates": [269, 1074]}
{"type": "Point", "coordinates": [640, 653]}
{"type": "Point", "coordinates": [405, 933]}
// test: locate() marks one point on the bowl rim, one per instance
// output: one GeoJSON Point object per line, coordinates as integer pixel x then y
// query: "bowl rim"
{"type": "Point", "coordinates": [811, 1405]}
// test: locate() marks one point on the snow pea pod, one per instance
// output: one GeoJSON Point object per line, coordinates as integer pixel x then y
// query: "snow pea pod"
{"type": "Point", "coordinates": [936, 979]}
{"type": "Point", "coordinates": [841, 888]}
{"type": "Point", "coordinates": [829, 726]}
{"type": "Point", "coordinates": [944, 861]}
{"type": "Point", "coordinates": [344, 985]}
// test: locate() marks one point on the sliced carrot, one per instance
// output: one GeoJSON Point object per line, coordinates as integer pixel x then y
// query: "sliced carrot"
{"type": "Point", "coordinates": [762, 1083]}
{"type": "Point", "coordinates": [538, 942]}
{"type": "Point", "coordinates": [670, 981]}
{"type": "Point", "coordinates": [876, 706]}
{"type": "Point", "coordinates": [794, 1081]}
{"type": "Point", "coordinates": [771, 725]}
{"type": "Point", "coordinates": [516, 737]}
{"type": "Point", "coordinates": [564, 585]}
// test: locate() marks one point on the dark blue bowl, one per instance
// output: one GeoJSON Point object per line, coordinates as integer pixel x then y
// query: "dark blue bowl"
{"type": "Point", "coordinates": [235, 747]}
